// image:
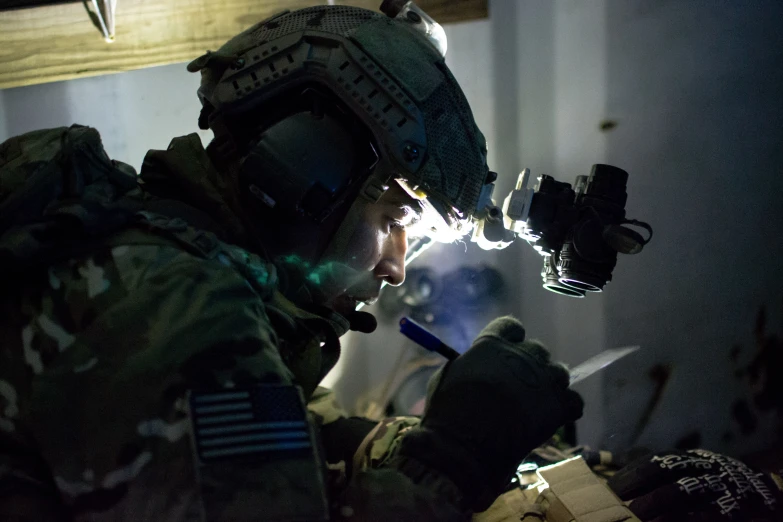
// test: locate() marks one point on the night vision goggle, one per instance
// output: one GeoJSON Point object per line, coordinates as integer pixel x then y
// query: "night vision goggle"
{"type": "Point", "coordinates": [579, 229]}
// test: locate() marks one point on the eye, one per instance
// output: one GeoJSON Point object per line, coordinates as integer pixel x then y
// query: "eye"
{"type": "Point", "coordinates": [395, 224]}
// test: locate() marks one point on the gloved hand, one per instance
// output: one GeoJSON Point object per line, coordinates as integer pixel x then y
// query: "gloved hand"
{"type": "Point", "coordinates": [490, 408]}
{"type": "Point", "coordinates": [697, 485]}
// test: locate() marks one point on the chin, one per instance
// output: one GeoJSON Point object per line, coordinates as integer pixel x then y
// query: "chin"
{"type": "Point", "coordinates": [343, 305]}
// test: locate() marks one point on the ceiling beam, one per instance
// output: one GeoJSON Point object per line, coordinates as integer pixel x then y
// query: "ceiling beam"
{"type": "Point", "coordinates": [59, 42]}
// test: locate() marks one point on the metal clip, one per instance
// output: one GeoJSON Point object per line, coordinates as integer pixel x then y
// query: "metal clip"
{"type": "Point", "coordinates": [103, 17]}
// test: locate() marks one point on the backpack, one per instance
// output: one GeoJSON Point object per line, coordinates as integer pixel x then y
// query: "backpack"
{"type": "Point", "coordinates": [59, 192]}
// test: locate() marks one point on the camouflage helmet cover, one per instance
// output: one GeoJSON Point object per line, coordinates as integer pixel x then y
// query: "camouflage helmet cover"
{"type": "Point", "coordinates": [382, 69]}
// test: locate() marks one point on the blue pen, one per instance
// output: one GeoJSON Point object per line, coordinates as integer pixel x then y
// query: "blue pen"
{"type": "Point", "coordinates": [422, 337]}
{"type": "Point", "coordinates": [416, 333]}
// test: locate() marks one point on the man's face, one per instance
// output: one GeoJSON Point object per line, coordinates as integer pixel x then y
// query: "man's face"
{"type": "Point", "coordinates": [377, 248]}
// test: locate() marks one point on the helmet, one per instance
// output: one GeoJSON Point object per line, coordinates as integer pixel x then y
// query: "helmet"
{"type": "Point", "coordinates": [311, 101]}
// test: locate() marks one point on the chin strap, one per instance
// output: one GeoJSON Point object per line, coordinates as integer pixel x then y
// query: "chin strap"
{"type": "Point", "coordinates": [373, 188]}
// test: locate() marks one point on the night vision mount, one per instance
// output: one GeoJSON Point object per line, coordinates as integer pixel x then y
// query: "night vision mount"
{"type": "Point", "coordinates": [578, 230]}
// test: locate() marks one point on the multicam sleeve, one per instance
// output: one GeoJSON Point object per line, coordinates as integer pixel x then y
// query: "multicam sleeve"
{"type": "Point", "coordinates": [384, 488]}
{"type": "Point", "coordinates": [380, 445]}
{"type": "Point", "coordinates": [323, 405]}
{"type": "Point", "coordinates": [95, 367]}
{"type": "Point", "coordinates": [380, 487]}
{"type": "Point", "coordinates": [366, 444]}
{"type": "Point", "coordinates": [360, 444]}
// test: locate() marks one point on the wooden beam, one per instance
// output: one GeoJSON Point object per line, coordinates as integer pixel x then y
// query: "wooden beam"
{"type": "Point", "coordinates": [59, 42]}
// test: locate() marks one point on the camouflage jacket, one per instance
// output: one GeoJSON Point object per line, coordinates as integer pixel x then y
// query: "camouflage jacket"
{"type": "Point", "coordinates": [119, 299]}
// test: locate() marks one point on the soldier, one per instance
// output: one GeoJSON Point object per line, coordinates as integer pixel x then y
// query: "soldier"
{"type": "Point", "coordinates": [162, 333]}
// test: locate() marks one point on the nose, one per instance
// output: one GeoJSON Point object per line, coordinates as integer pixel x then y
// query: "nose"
{"type": "Point", "coordinates": [391, 266]}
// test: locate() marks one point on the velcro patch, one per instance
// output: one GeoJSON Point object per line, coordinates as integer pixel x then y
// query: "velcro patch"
{"type": "Point", "coordinates": [266, 421]}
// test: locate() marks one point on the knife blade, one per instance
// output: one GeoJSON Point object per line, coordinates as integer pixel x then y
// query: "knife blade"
{"type": "Point", "coordinates": [598, 362]}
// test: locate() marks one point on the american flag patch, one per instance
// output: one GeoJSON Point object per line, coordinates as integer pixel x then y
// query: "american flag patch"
{"type": "Point", "coordinates": [263, 421]}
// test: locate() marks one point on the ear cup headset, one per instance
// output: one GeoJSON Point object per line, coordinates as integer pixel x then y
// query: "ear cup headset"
{"type": "Point", "coordinates": [303, 165]}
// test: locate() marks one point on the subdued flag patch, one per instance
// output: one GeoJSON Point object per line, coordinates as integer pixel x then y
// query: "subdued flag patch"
{"type": "Point", "coordinates": [266, 420]}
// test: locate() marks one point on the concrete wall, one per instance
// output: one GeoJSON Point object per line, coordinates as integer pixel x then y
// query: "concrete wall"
{"type": "Point", "coordinates": [694, 89]}
{"type": "Point", "coordinates": [134, 111]}
{"type": "Point", "coordinates": [3, 126]}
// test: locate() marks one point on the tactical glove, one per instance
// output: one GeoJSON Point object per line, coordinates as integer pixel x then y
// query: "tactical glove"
{"type": "Point", "coordinates": [490, 408]}
{"type": "Point", "coordinates": [698, 485]}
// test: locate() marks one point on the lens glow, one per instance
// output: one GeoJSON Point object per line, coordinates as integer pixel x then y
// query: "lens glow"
{"type": "Point", "coordinates": [579, 285]}
{"type": "Point", "coordinates": [563, 290]}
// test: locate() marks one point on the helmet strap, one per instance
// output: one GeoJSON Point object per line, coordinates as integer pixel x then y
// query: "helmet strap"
{"type": "Point", "coordinates": [373, 188]}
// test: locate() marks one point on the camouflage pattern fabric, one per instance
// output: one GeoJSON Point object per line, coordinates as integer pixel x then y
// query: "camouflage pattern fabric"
{"type": "Point", "coordinates": [100, 349]}
{"type": "Point", "coordinates": [379, 447]}
{"type": "Point", "coordinates": [324, 407]}
{"type": "Point", "coordinates": [97, 361]}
